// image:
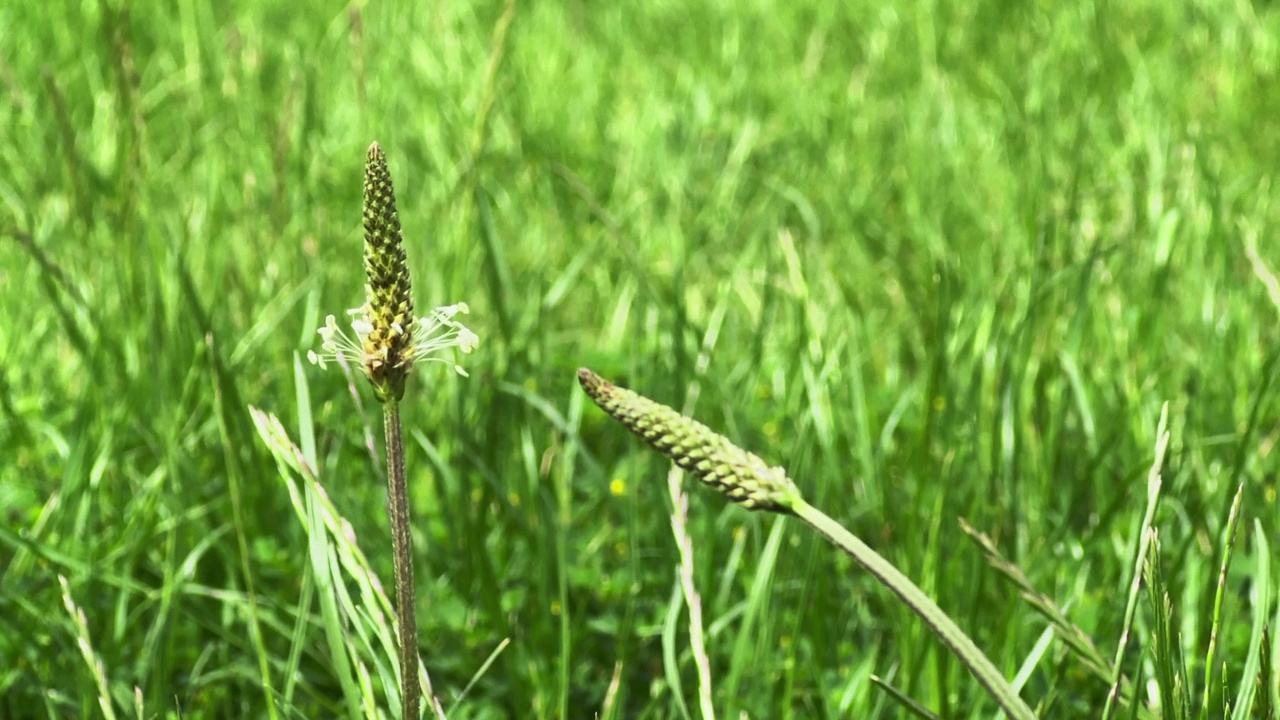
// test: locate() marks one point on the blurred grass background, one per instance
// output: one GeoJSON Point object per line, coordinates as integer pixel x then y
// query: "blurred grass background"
{"type": "Point", "coordinates": [945, 259]}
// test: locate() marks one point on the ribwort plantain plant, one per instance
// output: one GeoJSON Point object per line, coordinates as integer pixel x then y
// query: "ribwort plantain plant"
{"type": "Point", "coordinates": [750, 482]}
{"type": "Point", "coordinates": [387, 342]}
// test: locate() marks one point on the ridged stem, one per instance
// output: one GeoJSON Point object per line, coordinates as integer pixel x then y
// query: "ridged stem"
{"type": "Point", "coordinates": [402, 550]}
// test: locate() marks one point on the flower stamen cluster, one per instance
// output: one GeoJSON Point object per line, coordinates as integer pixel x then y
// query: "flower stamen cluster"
{"type": "Point", "coordinates": [433, 334]}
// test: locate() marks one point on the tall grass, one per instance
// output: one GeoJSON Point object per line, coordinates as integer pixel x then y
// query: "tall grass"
{"type": "Point", "coordinates": [945, 261]}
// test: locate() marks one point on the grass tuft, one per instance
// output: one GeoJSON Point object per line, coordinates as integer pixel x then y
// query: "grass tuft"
{"type": "Point", "coordinates": [939, 260]}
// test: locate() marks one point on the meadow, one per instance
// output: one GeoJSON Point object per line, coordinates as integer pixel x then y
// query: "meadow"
{"type": "Point", "coordinates": [945, 262]}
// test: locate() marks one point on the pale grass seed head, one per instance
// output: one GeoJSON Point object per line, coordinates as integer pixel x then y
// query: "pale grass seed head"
{"type": "Point", "coordinates": [711, 457]}
{"type": "Point", "coordinates": [386, 339]}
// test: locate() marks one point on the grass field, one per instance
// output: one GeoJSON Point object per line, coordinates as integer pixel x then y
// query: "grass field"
{"type": "Point", "coordinates": [943, 261]}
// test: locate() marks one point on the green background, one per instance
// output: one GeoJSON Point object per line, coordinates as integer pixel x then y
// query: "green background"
{"type": "Point", "coordinates": [940, 260]}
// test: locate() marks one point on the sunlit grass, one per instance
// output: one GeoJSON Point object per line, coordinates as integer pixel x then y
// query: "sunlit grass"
{"type": "Point", "coordinates": [942, 262]}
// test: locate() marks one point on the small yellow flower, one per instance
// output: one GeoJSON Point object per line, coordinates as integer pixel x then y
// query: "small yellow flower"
{"type": "Point", "coordinates": [618, 487]}
{"type": "Point", "coordinates": [770, 429]}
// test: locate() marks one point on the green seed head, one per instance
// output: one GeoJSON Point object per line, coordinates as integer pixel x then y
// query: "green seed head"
{"type": "Point", "coordinates": [387, 357]}
{"type": "Point", "coordinates": [741, 475]}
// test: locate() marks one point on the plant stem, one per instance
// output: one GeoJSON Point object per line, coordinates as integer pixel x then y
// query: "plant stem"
{"type": "Point", "coordinates": [684, 542]}
{"type": "Point", "coordinates": [402, 549]}
{"type": "Point", "coordinates": [942, 626]}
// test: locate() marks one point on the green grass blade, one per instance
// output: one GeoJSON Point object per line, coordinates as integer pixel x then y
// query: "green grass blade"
{"type": "Point", "coordinates": [484, 668]}
{"type": "Point", "coordinates": [905, 702]}
{"type": "Point", "coordinates": [942, 626]}
{"type": "Point", "coordinates": [85, 644]}
{"type": "Point", "coordinates": [755, 609]}
{"type": "Point", "coordinates": [1154, 484]}
{"type": "Point", "coordinates": [1265, 708]}
{"type": "Point", "coordinates": [670, 650]}
{"type": "Point", "coordinates": [1166, 654]}
{"type": "Point", "coordinates": [235, 479]}
{"type": "Point", "coordinates": [1233, 520]}
{"type": "Point", "coordinates": [1255, 674]}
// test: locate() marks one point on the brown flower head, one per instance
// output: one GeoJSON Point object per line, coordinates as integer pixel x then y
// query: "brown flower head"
{"type": "Point", "coordinates": [389, 299]}
{"type": "Point", "coordinates": [387, 340]}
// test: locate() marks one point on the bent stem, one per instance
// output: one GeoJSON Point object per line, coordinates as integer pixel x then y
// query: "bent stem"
{"type": "Point", "coordinates": [749, 481]}
{"type": "Point", "coordinates": [942, 626]}
{"type": "Point", "coordinates": [402, 550]}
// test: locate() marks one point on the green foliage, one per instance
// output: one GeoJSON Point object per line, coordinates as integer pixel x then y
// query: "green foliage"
{"type": "Point", "coordinates": [943, 261]}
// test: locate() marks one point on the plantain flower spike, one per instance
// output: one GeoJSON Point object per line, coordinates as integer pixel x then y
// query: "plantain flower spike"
{"type": "Point", "coordinates": [742, 476]}
{"type": "Point", "coordinates": [387, 340]}
{"type": "Point", "coordinates": [387, 360]}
